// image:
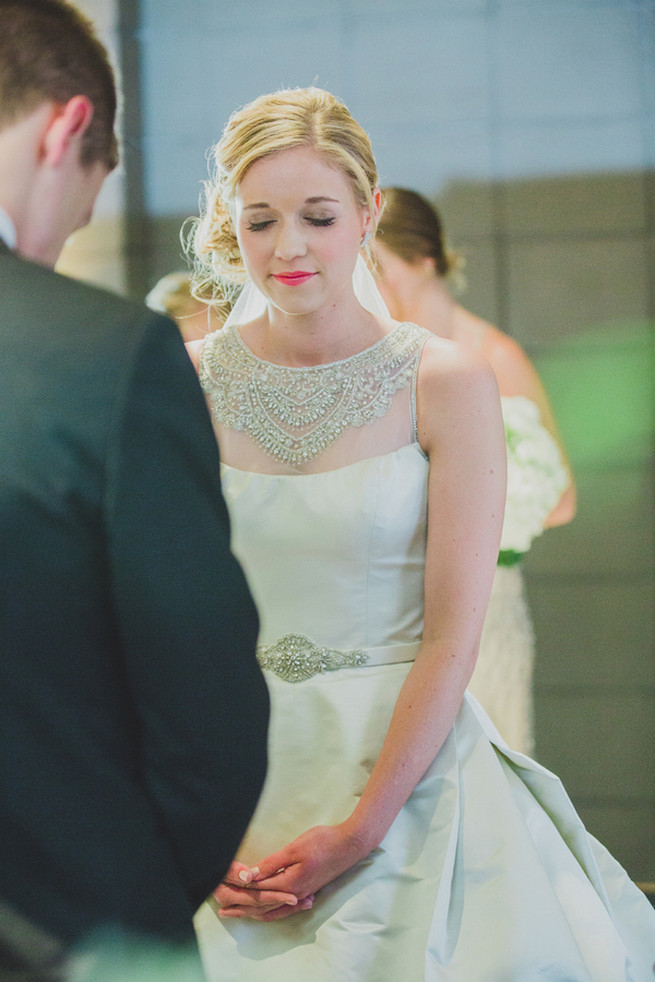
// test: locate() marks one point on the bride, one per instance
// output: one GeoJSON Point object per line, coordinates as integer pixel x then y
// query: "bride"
{"type": "Point", "coordinates": [398, 837]}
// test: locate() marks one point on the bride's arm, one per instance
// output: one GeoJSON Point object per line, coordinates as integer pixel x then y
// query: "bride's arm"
{"type": "Point", "coordinates": [460, 428]}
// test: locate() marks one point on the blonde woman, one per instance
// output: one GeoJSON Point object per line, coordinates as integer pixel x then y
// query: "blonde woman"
{"type": "Point", "coordinates": [364, 467]}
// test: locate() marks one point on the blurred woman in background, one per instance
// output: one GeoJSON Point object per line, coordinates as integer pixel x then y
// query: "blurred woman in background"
{"type": "Point", "coordinates": [194, 316]}
{"type": "Point", "coordinates": [413, 266]}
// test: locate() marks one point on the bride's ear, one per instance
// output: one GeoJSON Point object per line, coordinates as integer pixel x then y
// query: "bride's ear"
{"type": "Point", "coordinates": [377, 201]}
{"type": "Point", "coordinates": [372, 220]}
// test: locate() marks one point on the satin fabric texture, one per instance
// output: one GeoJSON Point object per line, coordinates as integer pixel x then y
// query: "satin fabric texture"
{"type": "Point", "coordinates": [487, 874]}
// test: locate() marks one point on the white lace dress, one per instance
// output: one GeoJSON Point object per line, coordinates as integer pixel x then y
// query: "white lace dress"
{"type": "Point", "coordinates": [487, 874]}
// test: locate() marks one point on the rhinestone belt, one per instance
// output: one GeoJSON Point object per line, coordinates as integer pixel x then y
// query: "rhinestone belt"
{"type": "Point", "coordinates": [295, 658]}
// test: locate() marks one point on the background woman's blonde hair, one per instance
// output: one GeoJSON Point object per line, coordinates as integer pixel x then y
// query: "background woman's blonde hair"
{"type": "Point", "coordinates": [279, 121]}
{"type": "Point", "coordinates": [172, 295]}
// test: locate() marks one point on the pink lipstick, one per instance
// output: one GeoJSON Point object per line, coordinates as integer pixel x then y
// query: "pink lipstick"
{"type": "Point", "coordinates": [293, 279]}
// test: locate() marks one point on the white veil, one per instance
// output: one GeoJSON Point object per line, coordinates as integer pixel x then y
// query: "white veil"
{"type": "Point", "coordinates": [251, 302]}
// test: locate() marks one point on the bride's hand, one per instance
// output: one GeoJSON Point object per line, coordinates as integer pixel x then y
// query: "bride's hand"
{"type": "Point", "coordinates": [311, 861]}
{"type": "Point", "coordinates": [237, 896]}
{"type": "Point", "coordinates": [239, 874]}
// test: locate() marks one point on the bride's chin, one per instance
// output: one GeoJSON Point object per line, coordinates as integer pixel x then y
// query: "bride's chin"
{"type": "Point", "coordinates": [299, 308]}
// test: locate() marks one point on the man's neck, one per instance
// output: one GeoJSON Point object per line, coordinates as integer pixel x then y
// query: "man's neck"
{"type": "Point", "coordinates": [7, 229]}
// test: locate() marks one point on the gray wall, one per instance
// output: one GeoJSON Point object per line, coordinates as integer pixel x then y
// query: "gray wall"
{"type": "Point", "coordinates": [532, 125]}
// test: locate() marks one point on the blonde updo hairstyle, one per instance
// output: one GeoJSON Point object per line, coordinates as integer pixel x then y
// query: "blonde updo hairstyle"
{"type": "Point", "coordinates": [280, 121]}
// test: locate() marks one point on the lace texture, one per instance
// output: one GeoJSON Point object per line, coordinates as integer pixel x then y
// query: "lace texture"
{"type": "Point", "coordinates": [294, 414]}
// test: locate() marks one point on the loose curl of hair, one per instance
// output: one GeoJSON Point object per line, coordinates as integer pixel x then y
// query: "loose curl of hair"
{"type": "Point", "coordinates": [271, 123]}
{"type": "Point", "coordinates": [410, 226]}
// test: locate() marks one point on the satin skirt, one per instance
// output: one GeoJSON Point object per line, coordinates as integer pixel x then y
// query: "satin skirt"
{"type": "Point", "coordinates": [487, 874]}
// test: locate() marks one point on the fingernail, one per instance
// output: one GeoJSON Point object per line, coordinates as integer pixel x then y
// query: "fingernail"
{"type": "Point", "coordinates": [245, 876]}
{"type": "Point", "coordinates": [306, 904]}
{"type": "Point", "coordinates": [255, 870]}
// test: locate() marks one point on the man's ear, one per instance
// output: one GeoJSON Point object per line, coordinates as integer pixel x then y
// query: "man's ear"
{"type": "Point", "coordinates": [67, 125]}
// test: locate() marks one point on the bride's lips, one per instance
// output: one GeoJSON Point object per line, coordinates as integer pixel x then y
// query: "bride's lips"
{"type": "Point", "coordinates": [293, 279]}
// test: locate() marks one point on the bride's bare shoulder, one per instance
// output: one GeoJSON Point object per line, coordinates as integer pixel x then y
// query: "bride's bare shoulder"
{"type": "Point", "coordinates": [456, 387]}
{"type": "Point", "coordinates": [447, 363]}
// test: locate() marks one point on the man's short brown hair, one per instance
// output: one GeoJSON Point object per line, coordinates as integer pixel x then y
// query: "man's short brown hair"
{"type": "Point", "coordinates": [49, 51]}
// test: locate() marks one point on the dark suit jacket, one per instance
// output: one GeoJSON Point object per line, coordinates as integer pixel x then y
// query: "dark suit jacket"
{"type": "Point", "coordinates": [132, 712]}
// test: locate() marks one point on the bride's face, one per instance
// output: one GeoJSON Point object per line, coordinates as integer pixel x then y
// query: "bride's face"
{"type": "Point", "coordinates": [299, 229]}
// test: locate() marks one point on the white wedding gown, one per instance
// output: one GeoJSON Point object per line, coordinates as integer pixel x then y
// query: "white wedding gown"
{"type": "Point", "coordinates": [487, 874]}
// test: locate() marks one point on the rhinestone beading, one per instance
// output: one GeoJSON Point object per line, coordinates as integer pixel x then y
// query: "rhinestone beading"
{"type": "Point", "coordinates": [295, 658]}
{"type": "Point", "coordinates": [294, 414]}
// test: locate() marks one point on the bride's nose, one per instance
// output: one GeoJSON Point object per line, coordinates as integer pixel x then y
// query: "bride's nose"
{"type": "Point", "coordinates": [290, 241]}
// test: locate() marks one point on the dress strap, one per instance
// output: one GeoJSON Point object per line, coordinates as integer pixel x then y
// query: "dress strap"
{"type": "Point", "coordinates": [414, 381]}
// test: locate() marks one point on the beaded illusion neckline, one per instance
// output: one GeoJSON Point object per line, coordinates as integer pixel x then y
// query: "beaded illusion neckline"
{"type": "Point", "coordinates": [294, 413]}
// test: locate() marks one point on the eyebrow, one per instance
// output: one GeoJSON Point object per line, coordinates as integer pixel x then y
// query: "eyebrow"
{"type": "Point", "coordinates": [309, 201]}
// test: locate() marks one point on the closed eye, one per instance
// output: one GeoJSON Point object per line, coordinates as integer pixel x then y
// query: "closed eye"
{"type": "Point", "coordinates": [321, 222]}
{"type": "Point", "coordinates": [259, 226]}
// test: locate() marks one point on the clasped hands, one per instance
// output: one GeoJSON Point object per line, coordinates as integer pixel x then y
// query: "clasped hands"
{"type": "Point", "coordinates": [287, 881]}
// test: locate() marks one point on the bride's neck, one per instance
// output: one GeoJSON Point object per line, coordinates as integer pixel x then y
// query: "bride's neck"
{"type": "Point", "coordinates": [322, 337]}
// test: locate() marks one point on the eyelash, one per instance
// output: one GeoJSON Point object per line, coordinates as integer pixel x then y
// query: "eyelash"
{"type": "Point", "coordinates": [315, 222]}
{"type": "Point", "coordinates": [258, 226]}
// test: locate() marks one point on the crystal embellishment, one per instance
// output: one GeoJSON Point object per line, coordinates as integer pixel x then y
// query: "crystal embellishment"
{"type": "Point", "coordinates": [295, 658]}
{"type": "Point", "coordinates": [294, 414]}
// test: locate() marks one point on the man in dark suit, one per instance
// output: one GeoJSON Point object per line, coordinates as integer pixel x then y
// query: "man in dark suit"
{"type": "Point", "coordinates": [133, 714]}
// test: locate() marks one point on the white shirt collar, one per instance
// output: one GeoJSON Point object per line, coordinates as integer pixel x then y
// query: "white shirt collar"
{"type": "Point", "coordinates": [7, 229]}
